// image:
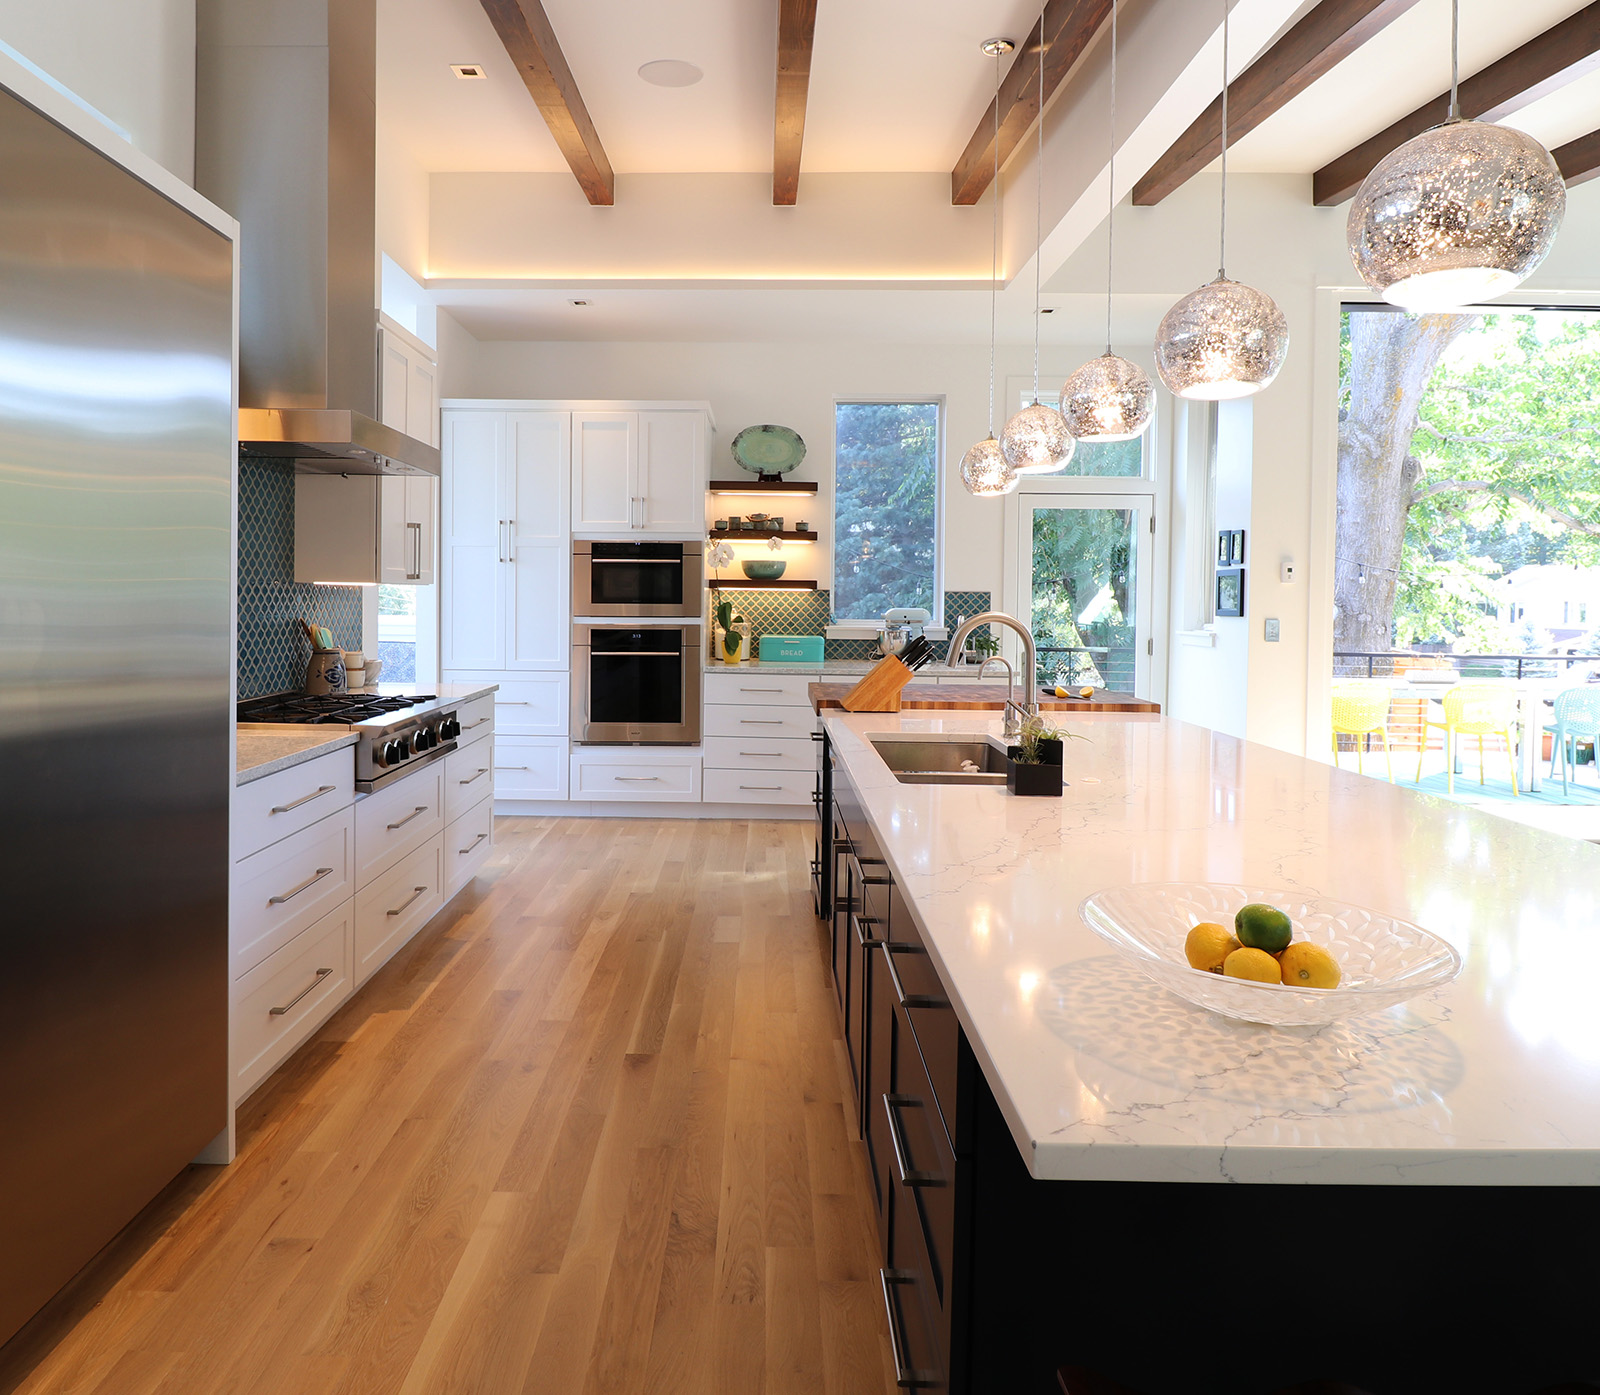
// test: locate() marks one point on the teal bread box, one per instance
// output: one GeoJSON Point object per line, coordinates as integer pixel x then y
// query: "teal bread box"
{"type": "Point", "coordinates": [790, 649]}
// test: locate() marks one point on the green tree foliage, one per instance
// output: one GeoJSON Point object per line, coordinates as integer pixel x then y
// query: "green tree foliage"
{"type": "Point", "coordinates": [1083, 594]}
{"type": "Point", "coordinates": [886, 465]}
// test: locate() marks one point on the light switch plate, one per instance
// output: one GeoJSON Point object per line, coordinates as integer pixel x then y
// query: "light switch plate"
{"type": "Point", "coordinates": [1272, 631]}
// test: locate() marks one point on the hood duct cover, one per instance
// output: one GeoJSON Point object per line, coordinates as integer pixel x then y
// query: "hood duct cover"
{"type": "Point", "coordinates": [286, 139]}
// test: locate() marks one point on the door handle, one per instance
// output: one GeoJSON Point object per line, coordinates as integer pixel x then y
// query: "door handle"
{"type": "Point", "coordinates": [415, 574]}
{"type": "Point", "coordinates": [500, 539]}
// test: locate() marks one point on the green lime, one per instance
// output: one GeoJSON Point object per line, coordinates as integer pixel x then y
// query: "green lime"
{"type": "Point", "coordinates": [1263, 927]}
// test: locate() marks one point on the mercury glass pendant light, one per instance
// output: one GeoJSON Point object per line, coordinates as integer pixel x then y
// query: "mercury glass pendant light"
{"type": "Point", "coordinates": [984, 469]}
{"type": "Point", "coordinates": [1109, 398]}
{"type": "Point", "coordinates": [1036, 441]}
{"type": "Point", "coordinates": [1460, 214]}
{"type": "Point", "coordinates": [1225, 340]}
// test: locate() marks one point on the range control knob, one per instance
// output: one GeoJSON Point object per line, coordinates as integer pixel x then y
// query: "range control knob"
{"type": "Point", "coordinates": [402, 748]}
{"type": "Point", "coordinates": [425, 739]}
{"type": "Point", "coordinates": [449, 729]}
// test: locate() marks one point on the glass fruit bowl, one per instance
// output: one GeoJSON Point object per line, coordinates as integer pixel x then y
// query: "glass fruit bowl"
{"type": "Point", "coordinates": [1383, 960]}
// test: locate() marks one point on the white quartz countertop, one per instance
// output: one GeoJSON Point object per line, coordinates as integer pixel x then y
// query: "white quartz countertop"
{"type": "Point", "coordinates": [843, 667]}
{"type": "Point", "coordinates": [265, 750]}
{"type": "Point", "coordinates": [1493, 1079]}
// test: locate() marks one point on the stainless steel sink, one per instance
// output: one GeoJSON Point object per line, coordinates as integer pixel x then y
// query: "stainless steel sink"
{"type": "Point", "coordinates": [925, 761]}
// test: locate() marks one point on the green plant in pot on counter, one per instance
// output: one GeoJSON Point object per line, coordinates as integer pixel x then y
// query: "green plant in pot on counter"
{"type": "Point", "coordinates": [732, 639]}
{"type": "Point", "coordinates": [1033, 765]}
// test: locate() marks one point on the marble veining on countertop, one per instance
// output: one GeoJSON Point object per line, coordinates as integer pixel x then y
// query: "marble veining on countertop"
{"type": "Point", "coordinates": [1493, 1079]}
{"type": "Point", "coordinates": [265, 750]}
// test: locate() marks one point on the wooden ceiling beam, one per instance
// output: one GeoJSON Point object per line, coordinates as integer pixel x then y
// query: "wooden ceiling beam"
{"type": "Point", "coordinates": [1579, 160]}
{"type": "Point", "coordinates": [797, 24]}
{"type": "Point", "coordinates": [525, 30]}
{"type": "Point", "coordinates": [1326, 36]}
{"type": "Point", "coordinates": [1061, 34]}
{"type": "Point", "coordinates": [1543, 65]}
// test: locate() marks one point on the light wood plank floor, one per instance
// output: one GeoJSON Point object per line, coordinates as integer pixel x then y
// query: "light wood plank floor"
{"type": "Point", "coordinates": [586, 1134]}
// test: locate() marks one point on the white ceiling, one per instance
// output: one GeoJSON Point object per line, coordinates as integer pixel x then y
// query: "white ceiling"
{"type": "Point", "coordinates": [894, 87]}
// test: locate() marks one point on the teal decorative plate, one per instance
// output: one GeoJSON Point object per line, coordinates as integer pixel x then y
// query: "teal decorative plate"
{"type": "Point", "coordinates": [768, 450]}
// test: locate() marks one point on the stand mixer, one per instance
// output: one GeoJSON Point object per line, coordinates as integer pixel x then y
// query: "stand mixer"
{"type": "Point", "coordinates": [900, 626]}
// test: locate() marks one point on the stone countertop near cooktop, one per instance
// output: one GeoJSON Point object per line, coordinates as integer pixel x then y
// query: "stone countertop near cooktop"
{"type": "Point", "coordinates": [265, 750]}
{"type": "Point", "coordinates": [1493, 1079]}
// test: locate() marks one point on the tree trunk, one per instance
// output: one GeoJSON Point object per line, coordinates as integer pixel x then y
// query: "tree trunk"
{"type": "Point", "coordinates": [1392, 359]}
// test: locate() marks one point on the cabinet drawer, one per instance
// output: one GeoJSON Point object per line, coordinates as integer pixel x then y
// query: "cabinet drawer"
{"type": "Point", "coordinates": [758, 786]}
{"type": "Point", "coordinates": [666, 778]}
{"type": "Point", "coordinates": [468, 778]}
{"type": "Point", "coordinates": [397, 905]}
{"type": "Point", "coordinates": [477, 720]}
{"type": "Point", "coordinates": [534, 706]}
{"type": "Point", "coordinates": [468, 841]}
{"type": "Point", "coordinates": [761, 753]}
{"type": "Point", "coordinates": [933, 1023]}
{"type": "Point", "coordinates": [275, 806]}
{"type": "Point", "coordinates": [286, 997]}
{"type": "Point", "coordinates": [390, 823]}
{"type": "Point", "coordinates": [281, 890]}
{"type": "Point", "coordinates": [530, 767]}
{"type": "Point", "coordinates": [750, 689]}
{"type": "Point", "coordinates": [784, 723]}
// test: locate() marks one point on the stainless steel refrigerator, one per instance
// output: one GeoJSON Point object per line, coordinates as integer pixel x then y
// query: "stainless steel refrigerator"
{"type": "Point", "coordinates": [116, 649]}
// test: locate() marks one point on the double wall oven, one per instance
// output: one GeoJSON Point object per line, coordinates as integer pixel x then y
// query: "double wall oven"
{"type": "Point", "coordinates": [636, 645]}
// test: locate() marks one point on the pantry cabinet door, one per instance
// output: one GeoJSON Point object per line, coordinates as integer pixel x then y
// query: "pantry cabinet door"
{"type": "Point", "coordinates": [473, 556]}
{"type": "Point", "coordinates": [672, 474]}
{"type": "Point", "coordinates": [539, 574]}
{"type": "Point", "coordinates": [605, 462]}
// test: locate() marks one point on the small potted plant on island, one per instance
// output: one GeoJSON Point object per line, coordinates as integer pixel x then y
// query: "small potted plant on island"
{"type": "Point", "coordinates": [1033, 765]}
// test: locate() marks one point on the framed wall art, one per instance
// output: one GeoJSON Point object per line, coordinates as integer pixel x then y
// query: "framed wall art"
{"type": "Point", "coordinates": [1230, 593]}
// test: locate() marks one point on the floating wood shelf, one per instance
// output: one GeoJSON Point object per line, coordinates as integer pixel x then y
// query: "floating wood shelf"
{"type": "Point", "coordinates": [760, 536]}
{"type": "Point", "coordinates": [755, 486]}
{"type": "Point", "coordinates": [745, 585]}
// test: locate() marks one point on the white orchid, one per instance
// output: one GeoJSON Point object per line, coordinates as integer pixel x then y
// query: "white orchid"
{"type": "Point", "coordinates": [721, 555]}
{"type": "Point", "coordinates": [774, 543]}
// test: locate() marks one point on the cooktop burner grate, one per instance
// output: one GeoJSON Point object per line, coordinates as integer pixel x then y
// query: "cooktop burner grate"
{"type": "Point", "coordinates": [336, 709]}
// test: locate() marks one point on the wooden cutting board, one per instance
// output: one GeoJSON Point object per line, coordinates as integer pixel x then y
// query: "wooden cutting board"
{"type": "Point", "coordinates": [981, 697]}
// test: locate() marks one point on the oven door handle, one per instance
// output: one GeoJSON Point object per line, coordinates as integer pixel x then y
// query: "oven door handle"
{"type": "Point", "coordinates": [636, 561]}
{"type": "Point", "coordinates": [641, 653]}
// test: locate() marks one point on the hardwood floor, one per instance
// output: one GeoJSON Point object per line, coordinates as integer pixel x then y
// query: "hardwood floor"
{"type": "Point", "coordinates": [586, 1134]}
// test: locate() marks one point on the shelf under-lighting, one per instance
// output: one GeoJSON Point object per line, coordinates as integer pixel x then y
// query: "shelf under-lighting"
{"type": "Point", "coordinates": [743, 585]}
{"type": "Point", "coordinates": [753, 536]}
{"type": "Point", "coordinates": [757, 487]}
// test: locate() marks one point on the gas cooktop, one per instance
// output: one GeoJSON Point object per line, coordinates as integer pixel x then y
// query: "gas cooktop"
{"type": "Point", "coordinates": [337, 709]}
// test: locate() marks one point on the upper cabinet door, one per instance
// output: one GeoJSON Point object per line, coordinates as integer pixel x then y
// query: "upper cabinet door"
{"type": "Point", "coordinates": [421, 526]}
{"type": "Point", "coordinates": [422, 400]}
{"type": "Point", "coordinates": [539, 584]}
{"type": "Point", "coordinates": [605, 460]}
{"type": "Point", "coordinates": [474, 558]}
{"type": "Point", "coordinates": [672, 472]}
{"type": "Point", "coordinates": [394, 380]}
{"type": "Point", "coordinates": [397, 557]}
{"type": "Point", "coordinates": [538, 456]}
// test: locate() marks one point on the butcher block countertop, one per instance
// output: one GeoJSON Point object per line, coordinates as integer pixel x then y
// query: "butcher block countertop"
{"type": "Point", "coordinates": [981, 697]}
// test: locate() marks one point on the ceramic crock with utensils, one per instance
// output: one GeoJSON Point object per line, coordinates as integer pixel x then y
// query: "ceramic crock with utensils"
{"type": "Point", "coordinates": [325, 672]}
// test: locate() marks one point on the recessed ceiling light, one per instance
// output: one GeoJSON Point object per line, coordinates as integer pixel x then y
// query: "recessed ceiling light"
{"type": "Point", "coordinates": [468, 70]}
{"type": "Point", "coordinates": [670, 72]}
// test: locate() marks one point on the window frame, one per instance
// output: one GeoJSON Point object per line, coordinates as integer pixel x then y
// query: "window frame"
{"type": "Point", "coordinates": [843, 626]}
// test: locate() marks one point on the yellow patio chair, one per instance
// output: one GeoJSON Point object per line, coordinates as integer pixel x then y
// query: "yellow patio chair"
{"type": "Point", "coordinates": [1361, 708]}
{"type": "Point", "coordinates": [1473, 709]}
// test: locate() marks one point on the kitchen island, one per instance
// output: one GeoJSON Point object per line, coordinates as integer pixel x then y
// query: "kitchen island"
{"type": "Point", "coordinates": [1447, 1151]}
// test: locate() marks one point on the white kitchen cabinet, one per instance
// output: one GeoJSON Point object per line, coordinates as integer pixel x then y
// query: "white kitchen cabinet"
{"type": "Point", "coordinates": [639, 472]}
{"type": "Point", "coordinates": [363, 529]}
{"type": "Point", "coordinates": [505, 559]}
{"type": "Point", "coordinates": [530, 767]}
{"type": "Point", "coordinates": [666, 774]}
{"type": "Point", "coordinates": [408, 383]}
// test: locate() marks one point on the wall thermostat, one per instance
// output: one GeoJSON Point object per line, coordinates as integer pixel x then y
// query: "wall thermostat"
{"type": "Point", "coordinates": [1286, 571]}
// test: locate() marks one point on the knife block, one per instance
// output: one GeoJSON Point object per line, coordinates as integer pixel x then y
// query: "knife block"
{"type": "Point", "coordinates": [879, 691]}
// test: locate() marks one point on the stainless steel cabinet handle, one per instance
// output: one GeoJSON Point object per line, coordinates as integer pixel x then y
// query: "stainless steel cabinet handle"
{"type": "Point", "coordinates": [511, 767]}
{"type": "Point", "coordinates": [641, 779]}
{"type": "Point", "coordinates": [415, 574]}
{"type": "Point", "coordinates": [473, 726]}
{"type": "Point", "coordinates": [761, 721]}
{"type": "Point", "coordinates": [500, 538]}
{"type": "Point", "coordinates": [760, 690]}
{"type": "Point", "coordinates": [279, 1011]}
{"type": "Point", "coordinates": [761, 787]}
{"type": "Point", "coordinates": [904, 1376]}
{"type": "Point", "coordinates": [420, 809]}
{"type": "Point", "coordinates": [312, 880]}
{"type": "Point", "coordinates": [761, 753]}
{"type": "Point", "coordinates": [484, 770]}
{"type": "Point", "coordinates": [416, 892]}
{"type": "Point", "coordinates": [646, 562]}
{"type": "Point", "coordinates": [910, 1176]}
{"type": "Point", "coordinates": [462, 852]}
{"type": "Point", "coordinates": [863, 937]}
{"type": "Point", "coordinates": [911, 1000]}
{"type": "Point", "coordinates": [304, 799]}
{"type": "Point", "coordinates": [505, 702]}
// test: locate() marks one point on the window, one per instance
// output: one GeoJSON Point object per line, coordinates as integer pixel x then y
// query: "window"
{"type": "Point", "coordinates": [1117, 458]}
{"type": "Point", "coordinates": [885, 507]}
{"type": "Point", "coordinates": [397, 633]}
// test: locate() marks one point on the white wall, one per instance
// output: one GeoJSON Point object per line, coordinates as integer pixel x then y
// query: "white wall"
{"type": "Point", "coordinates": [131, 60]}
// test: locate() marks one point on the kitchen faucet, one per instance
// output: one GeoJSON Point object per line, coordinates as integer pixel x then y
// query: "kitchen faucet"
{"type": "Point", "coordinates": [1016, 713]}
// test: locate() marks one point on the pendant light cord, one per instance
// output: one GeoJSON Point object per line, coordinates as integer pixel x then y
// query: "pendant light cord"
{"type": "Point", "coordinates": [1038, 216]}
{"type": "Point", "coordinates": [1222, 245]}
{"type": "Point", "coordinates": [1455, 60]}
{"type": "Point", "coordinates": [994, 238]}
{"type": "Point", "coordinates": [1111, 176]}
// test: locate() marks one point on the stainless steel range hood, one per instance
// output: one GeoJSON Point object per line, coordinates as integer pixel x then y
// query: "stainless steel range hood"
{"type": "Point", "coordinates": [285, 141]}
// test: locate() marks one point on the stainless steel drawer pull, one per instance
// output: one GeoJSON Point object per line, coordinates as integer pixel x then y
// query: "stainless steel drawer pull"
{"type": "Point", "coordinates": [462, 852]}
{"type": "Point", "coordinates": [312, 880]}
{"type": "Point", "coordinates": [499, 703]}
{"type": "Point", "coordinates": [911, 1000]}
{"type": "Point", "coordinates": [863, 938]}
{"type": "Point", "coordinates": [640, 779]}
{"type": "Point", "coordinates": [415, 575]}
{"type": "Point", "coordinates": [760, 690]}
{"type": "Point", "coordinates": [279, 1011]}
{"type": "Point", "coordinates": [415, 892]}
{"type": "Point", "coordinates": [420, 809]}
{"type": "Point", "coordinates": [904, 1376]}
{"type": "Point", "coordinates": [304, 799]}
{"type": "Point", "coordinates": [511, 767]}
{"type": "Point", "coordinates": [484, 770]}
{"type": "Point", "coordinates": [473, 726]}
{"type": "Point", "coordinates": [761, 787]}
{"type": "Point", "coordinates": [761, 721]}
{"type": "Point", "coordinates": [774, 754]}
{"type": "Point", "coordinates": [908, 1175]}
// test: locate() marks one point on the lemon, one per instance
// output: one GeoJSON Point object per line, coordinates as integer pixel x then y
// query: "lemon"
{"type": "Point", "coordinates": [1263, 927]}
{"type": "Point", "coordinates": [1208, 945]}
{"type": "Point", "coordinates": [1306, 965]}
{"type": "Point", "coordinates": [1254, 964]}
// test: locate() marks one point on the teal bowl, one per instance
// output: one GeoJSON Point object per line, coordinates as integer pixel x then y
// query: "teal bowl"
{"type": "Point", "coordinates": [761, 570]}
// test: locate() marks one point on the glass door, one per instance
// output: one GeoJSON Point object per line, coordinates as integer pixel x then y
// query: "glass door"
{"type": "Point", "coordinates": [1084, 585]}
